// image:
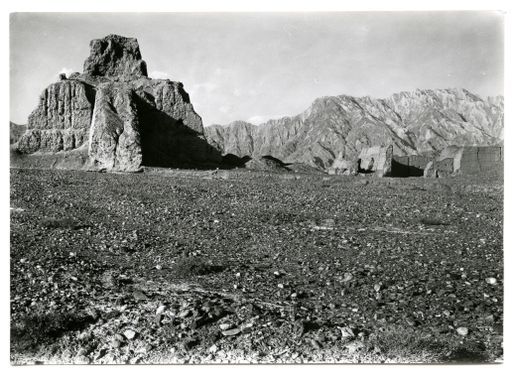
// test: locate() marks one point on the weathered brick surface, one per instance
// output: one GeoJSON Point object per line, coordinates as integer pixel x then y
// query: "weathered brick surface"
{"type": "Point", "coordinates": [418, 161]}
{"type": "Point", "coordinates": [376, 159]}
{"type": "Point", "coordinates": [481, 159]}
{"type": "Point", "coordinates": [467, 160]}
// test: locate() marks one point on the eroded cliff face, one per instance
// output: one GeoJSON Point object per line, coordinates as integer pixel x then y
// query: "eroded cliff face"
{"type": "Point", "coordinates": [339, 127]}
{"type": "Point", "coordinates": [122, 117]}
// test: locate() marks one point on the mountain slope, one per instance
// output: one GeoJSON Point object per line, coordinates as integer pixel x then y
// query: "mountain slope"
{"type": "Point", "coordinates": [414, 122]}
{"type": "Point", "coordinates": [16, 131]}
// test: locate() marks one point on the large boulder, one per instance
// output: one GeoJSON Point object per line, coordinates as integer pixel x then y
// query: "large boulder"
{"type": "Point", "coordinates": [125, 119]}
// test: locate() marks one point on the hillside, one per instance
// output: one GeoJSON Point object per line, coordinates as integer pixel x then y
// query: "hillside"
{"type": "Point", "coordinates": [417, 122]}
{"type": "Point", "coordinates": [16, 131]}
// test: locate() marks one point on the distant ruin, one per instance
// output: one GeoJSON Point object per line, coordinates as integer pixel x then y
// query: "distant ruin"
{"type": "Point", "coordinates": [466, 161]}
{"type": "Point", "coordinates": [452, 160]}
{"type": "Point", "coordinates": [114, 117]}
{"type": "Point", "coordinates": [377, 159]}
{"type": "Point", "coordinates": [409, 166]}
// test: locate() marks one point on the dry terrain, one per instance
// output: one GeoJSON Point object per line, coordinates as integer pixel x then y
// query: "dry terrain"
{"type": "Point", "coordinates": [236, 266]}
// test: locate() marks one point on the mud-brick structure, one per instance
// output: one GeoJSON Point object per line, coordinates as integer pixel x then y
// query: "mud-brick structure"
{"type": "Point", "coordinates": [114, 117]}
{"type": "Point", "coordinates": [466, 160]}
{"type": "Point", "coordinates": [409, 166]}
{"type": "Point", "coordinates": [452, 160]}
{"type": "Point", "coordinates": [376, 159]}
{"type": "Point", "coordinates": [481, 159]}
{"type": "Point", "coordinates": [440, 168]}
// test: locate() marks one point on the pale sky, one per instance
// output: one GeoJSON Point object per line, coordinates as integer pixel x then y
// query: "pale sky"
{"type": "Point", "coordinates": [254, 67]}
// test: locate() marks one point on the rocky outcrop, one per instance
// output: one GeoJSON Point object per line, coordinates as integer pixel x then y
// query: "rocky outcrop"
{"type": "Point", "coordinates": [125, 119]}
{"type": "Point", "coordinates": [414, 123]}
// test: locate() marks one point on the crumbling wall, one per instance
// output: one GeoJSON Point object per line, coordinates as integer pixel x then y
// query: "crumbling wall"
{"type": "Point", "coordinates": [481, 159]}
{"type": "Point", "coordinates": [451, 160]}
{"type": "Point", "coordinates": [342, 166]}
{"type": "Point", "coordinates": [409, 166]}
{"type": "Point", "coordinates": [439, 168]}
{"type": "Point", "coordinates": [466, 160]}
{"type": "Point", "coordinates": [376, 159]}
{"type": "Point", "coordinates": [418, 161]}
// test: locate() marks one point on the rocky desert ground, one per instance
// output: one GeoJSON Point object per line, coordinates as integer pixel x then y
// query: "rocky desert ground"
{"type": "Point", "coordinates": [182, 266]}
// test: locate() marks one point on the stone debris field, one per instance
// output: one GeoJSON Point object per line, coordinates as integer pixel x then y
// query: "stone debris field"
{"type": "Point", "coordinates": [183, 266]}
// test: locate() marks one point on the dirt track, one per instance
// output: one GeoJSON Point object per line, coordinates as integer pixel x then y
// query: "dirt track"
{"type": "Point", "coordinates": [184, 266]}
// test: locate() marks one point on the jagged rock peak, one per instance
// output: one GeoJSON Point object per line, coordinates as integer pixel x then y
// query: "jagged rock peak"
{"type": "Point", "coordinates": [242, 123]}
{"type": "Point", "coordinates": [115, 56]}
{"type": "Point", "coordinates": [414, 123]}
{"type": "Point", "coordinates": [456, 92]}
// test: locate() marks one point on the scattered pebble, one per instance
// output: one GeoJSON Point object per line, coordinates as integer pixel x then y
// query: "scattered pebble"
{"type": "Point", "coordinates": [225, 326]}
{"type": "Point", "coordinates": [354, 346]}
{"type": "Point", "coordinates": [463, 331]}
{"type": "Point", "coordinates": [432, 290]}
{"type": "Point", "coordinates": [490, 280]}
{"type": "Point", "coordinates": [139, 296]}
{"type": "Point", "coordinates": [315, 344]}
{"type": "Point", "coordinates": [346, 332]}
{"type": "Point", "coordinates": [130, 334]}
{"type": "Point", "coordinates": [231, 332]}
{"type": "Point", "coordinates": [184, 313]}
{"type": "Point", "coordinates": [160, 309]}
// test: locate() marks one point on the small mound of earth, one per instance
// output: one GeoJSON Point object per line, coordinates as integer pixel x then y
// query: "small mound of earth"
{"type": "Point", "coordinates": [233, 161]}
{"type": "Point", "coordinates": [266, 163]}
{"type": "Point", "coordinates": [303, 168]}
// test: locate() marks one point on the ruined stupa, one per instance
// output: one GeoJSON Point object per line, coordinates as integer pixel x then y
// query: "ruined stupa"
{"type": "Point", "coordinates": [117, 115]}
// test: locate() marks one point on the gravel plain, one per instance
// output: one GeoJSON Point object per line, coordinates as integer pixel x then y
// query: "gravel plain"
{"type": "Point", "coordinates": [171, 266]}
